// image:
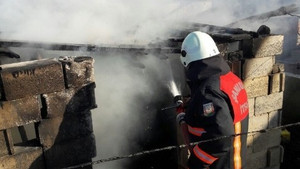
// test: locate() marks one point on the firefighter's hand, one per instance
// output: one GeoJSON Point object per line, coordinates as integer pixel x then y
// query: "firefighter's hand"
{"type": "Point", "coordinates": [182, 104]}
{"type": "Point", "coordinates": [179, 108]}
{"type": "Point", "coordinates": [180, 118]}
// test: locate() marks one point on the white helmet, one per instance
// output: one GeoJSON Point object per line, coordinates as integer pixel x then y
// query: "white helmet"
{"type": "Point", "coordinates": [197, 46]}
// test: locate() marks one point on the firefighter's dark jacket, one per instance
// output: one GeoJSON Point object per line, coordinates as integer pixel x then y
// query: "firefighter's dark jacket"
{"type": "Point", "coordinates": [209, 114]}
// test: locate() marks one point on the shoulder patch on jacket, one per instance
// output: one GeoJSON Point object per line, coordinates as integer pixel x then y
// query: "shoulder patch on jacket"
{"type": "Point", "coordinates": [208, 109]}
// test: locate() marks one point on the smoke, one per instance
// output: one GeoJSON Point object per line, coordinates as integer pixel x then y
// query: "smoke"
{"type": "Point", "coordinates": [125, 84]}
{"type": "Point", "coordinates": [90, 21]}
{"type": "Point", "coordinates": [115, 21]}
{"type": "Point", "coordinates": [118, 86]}
{"type": "Point", "coordinates": [124, 93]}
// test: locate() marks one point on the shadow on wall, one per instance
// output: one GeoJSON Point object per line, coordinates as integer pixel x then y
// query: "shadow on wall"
{"type": "Point", "coordinates": [159, 132]}
{"type": "Point", "coordinates": [291, 114]}
{"type": "Point", "coordinates": [66, 130]}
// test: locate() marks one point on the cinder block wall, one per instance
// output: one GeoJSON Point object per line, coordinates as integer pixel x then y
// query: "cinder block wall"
{"type": "Point", "coordinates": [50, 99]}
{"type": "Point", "coordinates": [263, 78]}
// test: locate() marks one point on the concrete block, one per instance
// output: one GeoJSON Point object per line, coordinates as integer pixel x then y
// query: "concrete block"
{"type": "Point", "coordinates": [58, 130]}
{"type": "Point", "coordinates": [258, 67]}
{"type": "Point", "coordinates": [258, 122]}
{"type": "Point", "coordinates": [25, 157]}
{"type": "Point", "coordinates": [236, 67]}
{"type": "Point", "coordinates": [263, 46]}
{"type": "Point", "coordinates": [71, 153]}
{"type": "Point", "coordinates": [225, 48]}
{"type": "Point", "coordinates": [267, 46]}
{"type": "Point", "coordinates": [275, 156]}
{"type": "Point", "coordinates": [31, 78]}
{"type": "Point", "coordinates": [3, 146]}
{"type": "Point", "coordinates": [264, 104]}
{"type": "Point", "coordinates": [274, 118]}
{"type": "Point", "coordinates": [79, 71]}
{"type": "Point", "coordinates": [222, 48]}
{"type": "Point", "coordinates": [275, 83]}
{"type": "Point", "coordinates": [257, 160]}
{"type": "Point", "coordinates": [282, 82]}
{"type": "Point", "coordinates": [6, 143]}
{"type": "Point", "coordinates": [19, 112]}
{"type": "Point", "coordinates": [22, 134]}
{"type": "Point", "coordinates": [256, 86]}
{"type": "Point", "coordinates": [7, 162]}
{"type": "Point", "coordinates": [70, 102]}
{"type": "Point", "coordinates": [278, 68]}
{"type": "Point", "coordinates": [56, 103]}
{"type": "Point", "coordinates": [234, 46]}
{"type": "Point", "coordinates": [251, 106]}
{"type": "Point", "coordinates": [263, 141]}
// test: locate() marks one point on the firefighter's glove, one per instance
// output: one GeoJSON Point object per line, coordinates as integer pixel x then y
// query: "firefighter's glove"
{"type": "Point", "coordinates": [180, 118]}
{"type": "Point", "coordinates": [180, 106]}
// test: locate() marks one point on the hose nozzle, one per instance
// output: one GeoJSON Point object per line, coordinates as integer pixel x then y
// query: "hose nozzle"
{"type": "Point", "coordinates": [178, 102]}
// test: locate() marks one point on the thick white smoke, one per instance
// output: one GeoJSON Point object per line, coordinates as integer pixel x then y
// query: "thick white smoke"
{"type": "Point", "coordinates": [119, 86]}
{"type": "Point", "coordinates": [123, 86]}
{"type": "Point", "coordinates": [90, 21]}
{"type": "Point", "coordinates": [116, 21]}
{"type": "Point", "coordinates": [125, 89]}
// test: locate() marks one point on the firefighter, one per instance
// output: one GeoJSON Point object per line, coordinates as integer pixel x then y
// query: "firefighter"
{"type": "Point", "coordinates": [218, 107]}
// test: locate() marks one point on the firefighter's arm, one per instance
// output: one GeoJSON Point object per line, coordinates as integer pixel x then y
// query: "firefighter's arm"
{"type": "Point", "coordinates": [184, 129]}
{"type": "Point", "coordinates": [181, 122]}
{"type": "Point", "coordinates": [218, 122]}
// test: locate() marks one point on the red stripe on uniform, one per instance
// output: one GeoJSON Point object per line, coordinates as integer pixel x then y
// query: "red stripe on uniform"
{"type": "Point", "coordinates": [196, 131]}
{"type": "Point", "coordinates": [203, 156]}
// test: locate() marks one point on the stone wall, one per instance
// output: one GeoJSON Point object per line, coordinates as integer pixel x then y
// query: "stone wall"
{"type": "Point", "coordinates": [45, 117]}
{"type": "Point", "coordinates": [264, 82]}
